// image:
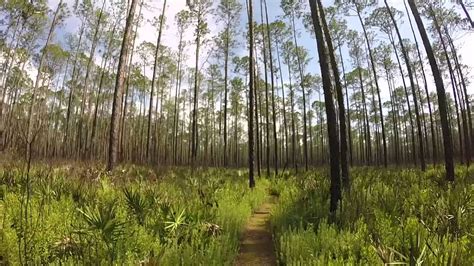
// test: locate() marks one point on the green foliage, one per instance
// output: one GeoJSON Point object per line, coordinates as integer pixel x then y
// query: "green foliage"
{"type": "Point", "coordinates": [389, 216]}
{"type": "Point", "coordinates": [131, 216]}
{"type": "Point", "coordinates": [175, 217]}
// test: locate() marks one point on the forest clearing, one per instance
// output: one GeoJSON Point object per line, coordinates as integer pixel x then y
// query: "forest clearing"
{"type": "Point", "coordinates": [236, 132]}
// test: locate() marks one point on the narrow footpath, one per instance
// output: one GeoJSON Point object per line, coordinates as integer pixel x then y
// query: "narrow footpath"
{"type": "Point", "coordinates": [256, 243]}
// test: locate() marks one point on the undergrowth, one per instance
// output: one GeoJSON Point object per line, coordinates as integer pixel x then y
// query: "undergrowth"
{"type": "Point", "coordinates": [389, 216]}
{"type": "Point", "coordinates": [134, 215]}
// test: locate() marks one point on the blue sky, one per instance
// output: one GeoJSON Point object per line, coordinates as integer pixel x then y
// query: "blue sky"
{"type": "Point", "coordinates": [148, 33]}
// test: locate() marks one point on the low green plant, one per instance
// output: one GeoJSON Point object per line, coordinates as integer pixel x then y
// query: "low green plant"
{"type": "Point", "coordinates": [390, 216]}
{"type": "Point", "coordinates": [130, 216]}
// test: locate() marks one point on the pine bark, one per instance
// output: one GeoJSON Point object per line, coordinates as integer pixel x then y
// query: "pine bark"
{"type": "Point", "coordinates": [333, 134]}
{"type": "Point", "coordinates": [443, 107]}
{"type": "Point", "coordinates": [119, 87]}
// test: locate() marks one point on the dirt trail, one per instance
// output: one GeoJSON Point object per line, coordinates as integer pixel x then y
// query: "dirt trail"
{"type": "Point", "coordinates": [256, 243]}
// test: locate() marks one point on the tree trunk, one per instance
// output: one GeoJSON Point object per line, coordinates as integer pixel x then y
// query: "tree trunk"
{"type": "Point", "coordinates": [453, 80]}
{"type": "Point", "coordinates": [127, 88]}
{"type": "Point", "coordinates": [412, 83]}
{"type": "Point", "coordinates": [443, 108]}
{"type": "Point", "coordinates": [433, 134]}
{"type": "Point", "coordinates": [71, 91]}
{"type": "Point", "coordinates": [293, 125]}
{"type": "Point", "coordinates": [285, 124]}
{"type": "Point", "coordinates": [300, 68]}
{"type": "Point", "coordinates": [30, 135]}
{"type": "Point", "coordinates": [340, 100]}
{"type": "Point", "coordinates": [119, 86]}
{"type": "Point", "coordinates": [155, 65]}
{"type": "Point", "coordinates": [466, 13]}
{"type": "Point", "coordinates": [413, 142]}
{"type": "Point", "coordinates": [349, 133]}
{"type": "Point", "coordinates": [470, 136]}
{"type": "Point", "coordinates": [275, 139]}
{"type": "Point", "coordinates": [377, 87]}
{"type": "Point", "coordinates": [251, 100]}
{"type": "Point", "coordinates": [333, 134]}
{"type": "Point", "coordinates": [176, 101]}
{"type": "Point", "coordinates": [194, 141]}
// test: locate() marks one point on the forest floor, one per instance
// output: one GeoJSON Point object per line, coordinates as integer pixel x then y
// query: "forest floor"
{"type": "Point", "coordinates": [256, 243]}
{"type": "Point", "coordinates": [79, 213]}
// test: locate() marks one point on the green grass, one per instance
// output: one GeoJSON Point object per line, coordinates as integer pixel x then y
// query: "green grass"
{"type": "Point", "coordinates": [389, 216]}
{"type": "Point", "coordinates": [133, 215]}
{"type": "Point", "coordinates": [83, 215]}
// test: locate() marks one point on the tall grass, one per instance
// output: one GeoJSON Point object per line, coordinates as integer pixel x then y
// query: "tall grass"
{"type": "Point", "coordinates": [389, 216]}
{"type": "Point", "coordinates": [133, 215]}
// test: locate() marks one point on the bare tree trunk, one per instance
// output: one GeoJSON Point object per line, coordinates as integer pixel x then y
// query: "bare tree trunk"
{"type": "Point", "coordinates": [453, 81]}
{"type": "Point", "coordinates": [372, 61]}
{"type": "Point", "coordinates": [333, 133]}
{"type": "Point", "coordinates": [412, 83]}
{"type": "Point", "coordinates": [176, 102]}
{"type": "Point", "coordinates": [443, 108]}
{"type": "Point", "coordinates": [300, 68]}
{"type": "Point", "coordinates": [340, 100]}
{"type": "Point", "coordinates": [118, 92]}
{"type": "Point", "coordinates": [267, 107]}
{"type": "Point", "coordinates": [468, 136]}
{"type": "Point", "coordinates": [285, 124]}
{"type": "Point", "coordinates": [433, 134]}
{"type": "Point", "coordinates": [71, 91]}
{"type": "Point", "coordinates": [466, 13]}
{"type": "Point", "coordinates": [270, 53]}
{"type": "Point", "coordinates": [155, 65]}
{"type": "Point", "coordinates": [293, 125]}
{"type": "Point", "coordinates": [82, 140]}
{"type": "Point", "coordinates": [194, 142]}
{"type": "Point", "coordinates": [251, 88]}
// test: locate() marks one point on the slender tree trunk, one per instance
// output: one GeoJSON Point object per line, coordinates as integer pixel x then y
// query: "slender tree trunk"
{"type": "Point", "coordinates": [368, 139]}
{"type": "Point", "coordinates": [340, 100]}
{"type": "Point", "coordinates": [468, 143]}
{"type": "Point", "coordinates": [443, 108]}
{"type": "Point", "coordinates": [258, 134]}
{"type": "Point", "coordinates": [394, 118]}
{"type": "Point", "coordinates": [333, 134]}
{"type": "Point", "coordinates": [267, 105]}
{"type": "Point", "coordinates": [433, 134]}
{"type": "Point", "coordinates": [8, 64]}
{"type": "Point", "coordinates": [226, 77]}
{"type": "Point", "coordinates": [155, 65]}
{"type": "Point", "coordinates": [119, 86]}
{"type": "Point", "coordinates": [30, 135]}
{"type": "Point", "coordinates": [270, 53]}
{"type": "Point", "coordinates": [127, 89]}
{"type": "Point", "coordinates": [81, 138]}
{"type": "Point", "coordinates": [194, 142]}
{"type": "Point", "coordinates": [300, 69]}
{"type": "Point", "coordinates": [251, 100]}
{"type": "Point", "coordinates": [96, 107]}
{"type": "Point", "coordinates": [466, 13]}
{"type": "Point", "coordinates": [372, 62]}
{"type": "Point", "coordinates": [71, 91]}
{"type": "Point", "coordinates": [413, 142]}
{"type": "Point", "coordinates": [293, 124]}
{"type": "Point", "coordinates": [453, 79]}
{"type": "Point", "coordinates": [103, 71]}
{"type": "Point", "coordinates": [349, 133]}
{"type": "Point", "coordinates": [412, 83]}
{"type": "Point", "coordinates": [176, 101]}
{"type": "Point", "coordinates": [285, 124]}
